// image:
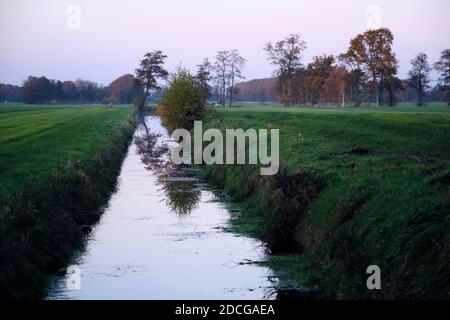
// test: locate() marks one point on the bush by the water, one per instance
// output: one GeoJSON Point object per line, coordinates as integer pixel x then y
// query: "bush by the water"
{"type": "Point", "coordinates": [182, 103]}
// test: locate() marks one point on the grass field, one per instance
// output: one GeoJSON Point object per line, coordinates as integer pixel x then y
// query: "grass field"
{"type": "Point", "coordinates": [34, 140]}
{"type": "Point", "coordinates": [401, 107]}
{"type": "Point", "coordinates": [371, 186]}
{"type": "Point", "coordinates": [58, 166]}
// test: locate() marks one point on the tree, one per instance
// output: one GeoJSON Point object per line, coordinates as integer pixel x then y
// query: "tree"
{"type": "Point", "coordinates": [89, 91]}
{"type": "Point", "coordinates": [9, 93]}
{"type": "Point", "coordinates": [317, 73]}
{"type": "Point", "coordinates": [37, 90]}
{"type": "Point", "coordinates": [182, 102]}
{"type": "Point", "coordinates": [356, 78]}
{"type": "Point", "coordinates": [236, 64]}
{"type": "Point", "coordinates": [221, 68]}
{"type": "Point", "coordinates": [286, 54]}
{"type": "Point", "coordinates": [124, 89]}
{"type": "Point", "coordinates": [59, 92]}
{"type": "Point", "coordinates": [299, 89]}
{"type": "Point", "coordinates": [392, 83]}
{"type": "Point", "coordinates": [70, 91]}
{"type": "Point", "coordinates": [419, 78]}
{"type": "Point", "coordinates": [43, 90]}
{"type": "Point", "coordinates": [335, 85]}
{"type": "Point", "coordinates": [150, 71]}
{"type": "Point", "coordinates": [443, 67]}
{"type": "Point", "coordinates": [372, 50]}
{"type": "Point", "coordinates": [204, 77]}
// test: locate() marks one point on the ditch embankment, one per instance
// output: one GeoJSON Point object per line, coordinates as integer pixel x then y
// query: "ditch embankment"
{"type": "Point", "coordinates": [355, 189]}
{"type": "Point", "coordinates": [60, 168]}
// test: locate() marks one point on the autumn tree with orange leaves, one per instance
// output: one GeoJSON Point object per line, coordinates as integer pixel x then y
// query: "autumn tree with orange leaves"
{"type": "Point", "coordinates": [335, 86]}
{"type": "Point", "coordinates": [317, 73]}
{"type": "Point", "coordinates": [372, 50]}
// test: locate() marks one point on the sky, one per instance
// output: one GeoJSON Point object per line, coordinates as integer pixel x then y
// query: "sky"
{"type": "Point", "coordinates": [99, 40]}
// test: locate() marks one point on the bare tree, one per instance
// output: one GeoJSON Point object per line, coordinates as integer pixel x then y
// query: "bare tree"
{"type": "Point", "coordinates": [286, 54]}
{"type": "Point", "coordinates": [151, 69]}
{"type": "Point", "coordinates": [204, 77]}
{"type": "Point", "coordinates": [221, 68]}
{"type": "Point", "coordinates": [236, 64]}
{"type": "Point", "coordinates": [419, 78]}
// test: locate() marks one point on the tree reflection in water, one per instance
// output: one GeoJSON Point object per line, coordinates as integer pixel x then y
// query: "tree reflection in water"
{"type": "Point", "coordinates": [153, 155]}
{"type": "Point", "coordinates": [178, 182]}
{"type": "Point", "coordinates": [181, 190]}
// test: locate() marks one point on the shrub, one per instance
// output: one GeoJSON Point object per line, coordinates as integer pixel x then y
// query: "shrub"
{"type": "Point", "coordinates": [182, 102]}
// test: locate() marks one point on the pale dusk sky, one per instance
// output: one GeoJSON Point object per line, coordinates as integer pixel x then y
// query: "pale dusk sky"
{"type": "Point", "coordinates": [45, 37]}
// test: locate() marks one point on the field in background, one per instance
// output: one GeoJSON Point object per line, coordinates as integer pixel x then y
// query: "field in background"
{"type": "Point", "coordinates": [378, 182]}
{"type": "Point", "coordinates": [401, 107]}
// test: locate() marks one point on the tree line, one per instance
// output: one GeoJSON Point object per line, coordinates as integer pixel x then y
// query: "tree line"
{"type": "Point", "coordinates": [365, 73]}
{"type": "Point", "coordinates": [41, 90]}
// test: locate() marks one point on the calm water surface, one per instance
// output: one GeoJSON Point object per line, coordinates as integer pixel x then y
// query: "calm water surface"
{"type": "Point", "coordinates": [162, 237]}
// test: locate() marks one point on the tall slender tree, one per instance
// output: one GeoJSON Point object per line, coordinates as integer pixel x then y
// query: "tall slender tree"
{"type": "Point", "coordinates": [204, 76]}
{"type": "Point", "coordinates": [221, 68]}
{"type": "Point", "coordinates": [392, 83]}
{"type": "Point", "coordinates": [151, 70]}
{"type": "Point", "coordinates": [237, 63]}
{"type": "Point", "coordinates": [419, 76]}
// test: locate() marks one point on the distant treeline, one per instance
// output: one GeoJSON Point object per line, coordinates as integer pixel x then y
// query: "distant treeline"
{"type": "Point", "coordinates": [268, 90]}
{"type": "Point", "coordinates": [367, 72]}
{"type": "Point", "coordinates": [257, 90]}
{"type": "Point", "coordinates": [41, 90]}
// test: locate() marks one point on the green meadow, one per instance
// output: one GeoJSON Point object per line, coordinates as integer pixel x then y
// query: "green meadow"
{"type": "Point", "coordinates": [34, 140]}
{"type": "Point", "coordinates": [370, 186]}
{"type": "Point", "coordinates": [357, 186]}
{"type": "Point", "coordinates": [58, 167]}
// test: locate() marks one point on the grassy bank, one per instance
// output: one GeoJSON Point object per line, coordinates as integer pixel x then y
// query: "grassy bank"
{"type": "Point", "coordinates": [357, 187]}
{"type": "Point", "coordinates": [58, 166]}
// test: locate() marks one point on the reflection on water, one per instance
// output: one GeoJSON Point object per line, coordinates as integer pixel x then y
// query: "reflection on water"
{"type": "Point", "coordinates": [149, 146]}
{"type": "Point", "coordinates": [162, 237]}
{"type": "Point", "coordinates": [181, 190]}
{"type": "Point", "coordinates": [178, 183]}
